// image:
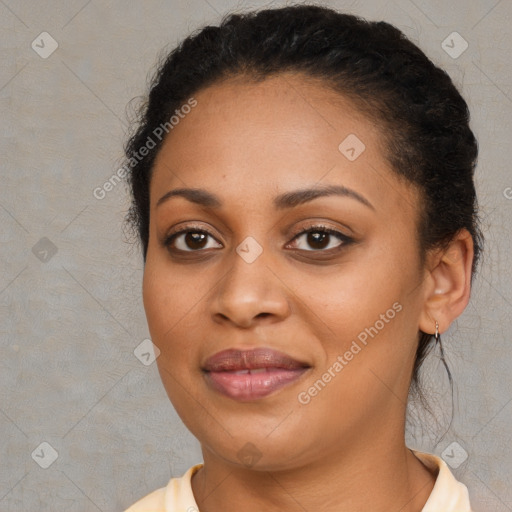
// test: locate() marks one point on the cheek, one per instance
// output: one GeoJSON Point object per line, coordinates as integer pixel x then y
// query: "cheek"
{"type": "Point", "coordinates": [353, 296]}
{"type": "Point", "coordinates": [167, 317]}
{"type": "Point", "coordinates": [168, 300]}
{"type": "Point", "coordinates": [174, 303]}
{"type": "Point", "coordinates": [365, 310]}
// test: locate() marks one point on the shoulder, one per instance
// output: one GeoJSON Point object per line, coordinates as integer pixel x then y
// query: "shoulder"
{"type": "Point", "coordinates": [177, 495]}
{"type": "Point", "coordinates": [448, 494]}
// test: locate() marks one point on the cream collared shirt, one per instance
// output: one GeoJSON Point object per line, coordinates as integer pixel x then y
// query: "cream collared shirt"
{"type": "Point", "coordinates": [448, 494]}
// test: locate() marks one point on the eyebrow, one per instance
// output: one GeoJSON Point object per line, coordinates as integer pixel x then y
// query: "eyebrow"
{"type": "Point", "coordinates": [287, 200]}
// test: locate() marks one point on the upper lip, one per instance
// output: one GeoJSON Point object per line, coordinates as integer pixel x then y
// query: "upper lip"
{"type": "Point", "coordinates": [235, 359]}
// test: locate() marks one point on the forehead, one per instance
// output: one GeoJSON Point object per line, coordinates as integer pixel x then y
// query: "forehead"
{"type": "Point", "coordinates": [247, 139]}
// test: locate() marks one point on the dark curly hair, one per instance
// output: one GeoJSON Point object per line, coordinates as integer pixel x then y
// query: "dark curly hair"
{"type": "Point", "coordinates": [424, 120]}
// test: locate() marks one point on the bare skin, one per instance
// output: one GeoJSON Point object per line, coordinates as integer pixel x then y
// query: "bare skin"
{"type": "Point", "coordinates": [344, 450]}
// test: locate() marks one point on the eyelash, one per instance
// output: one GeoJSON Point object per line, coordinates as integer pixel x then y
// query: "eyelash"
{"type": "Point", "coordinates": [316, 228]}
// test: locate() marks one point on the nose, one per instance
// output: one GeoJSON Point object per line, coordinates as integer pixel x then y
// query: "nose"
{"type": "Point", "coordinates": [250, 293]}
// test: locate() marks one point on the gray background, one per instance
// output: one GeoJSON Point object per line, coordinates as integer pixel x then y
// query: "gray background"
{"type": "Point", "coordinates": [72, 319]}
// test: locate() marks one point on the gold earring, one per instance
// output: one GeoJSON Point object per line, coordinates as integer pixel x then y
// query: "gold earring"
{"type": "Point", "coordinates": [437, 336]}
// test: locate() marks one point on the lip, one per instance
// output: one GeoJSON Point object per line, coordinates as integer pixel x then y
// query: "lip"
{"type": "Point", "coordinates": [246, 375]}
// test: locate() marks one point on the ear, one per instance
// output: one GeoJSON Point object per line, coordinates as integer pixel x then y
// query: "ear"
{"type": "Point", "coordinates": [448, 283]}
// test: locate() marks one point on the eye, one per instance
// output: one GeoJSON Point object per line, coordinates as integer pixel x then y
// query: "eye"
{"type": "Point", "coordinates": [190, 239]}
{"type": "Point", "coordinates": [194, 239]}
{"type": "Point", "coordinates": [319, 237]}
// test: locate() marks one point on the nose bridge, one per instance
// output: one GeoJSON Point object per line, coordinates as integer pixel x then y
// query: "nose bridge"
{"type": "Point", "coordinates": [249, 288]}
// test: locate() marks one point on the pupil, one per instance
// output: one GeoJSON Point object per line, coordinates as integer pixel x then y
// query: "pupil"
{"type": "Point", "coordinates": [318, 239]}
{"type": "Point", "coordinates": [195, 239]}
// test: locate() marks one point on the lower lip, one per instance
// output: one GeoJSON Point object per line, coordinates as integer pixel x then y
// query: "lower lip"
{"type": "Point", "coordinates": [246, 386]}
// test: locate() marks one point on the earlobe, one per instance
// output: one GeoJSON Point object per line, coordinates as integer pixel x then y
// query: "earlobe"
{"type": "Point", "coordinates": [449, 276]}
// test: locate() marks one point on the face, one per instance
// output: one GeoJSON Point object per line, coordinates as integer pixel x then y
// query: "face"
{"type": "Point", "coordinates": [286, 321]}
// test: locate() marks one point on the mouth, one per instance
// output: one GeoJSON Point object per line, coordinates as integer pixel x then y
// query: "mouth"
{"type": "Point", "coordinates": [251, 374]}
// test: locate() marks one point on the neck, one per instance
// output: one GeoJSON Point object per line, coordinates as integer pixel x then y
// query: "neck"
{"type": "Point", "coordinates": [378, 477]}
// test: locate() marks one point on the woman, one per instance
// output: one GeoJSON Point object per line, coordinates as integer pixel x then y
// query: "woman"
{"type": "Point", "coordinates": [302, 186]}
